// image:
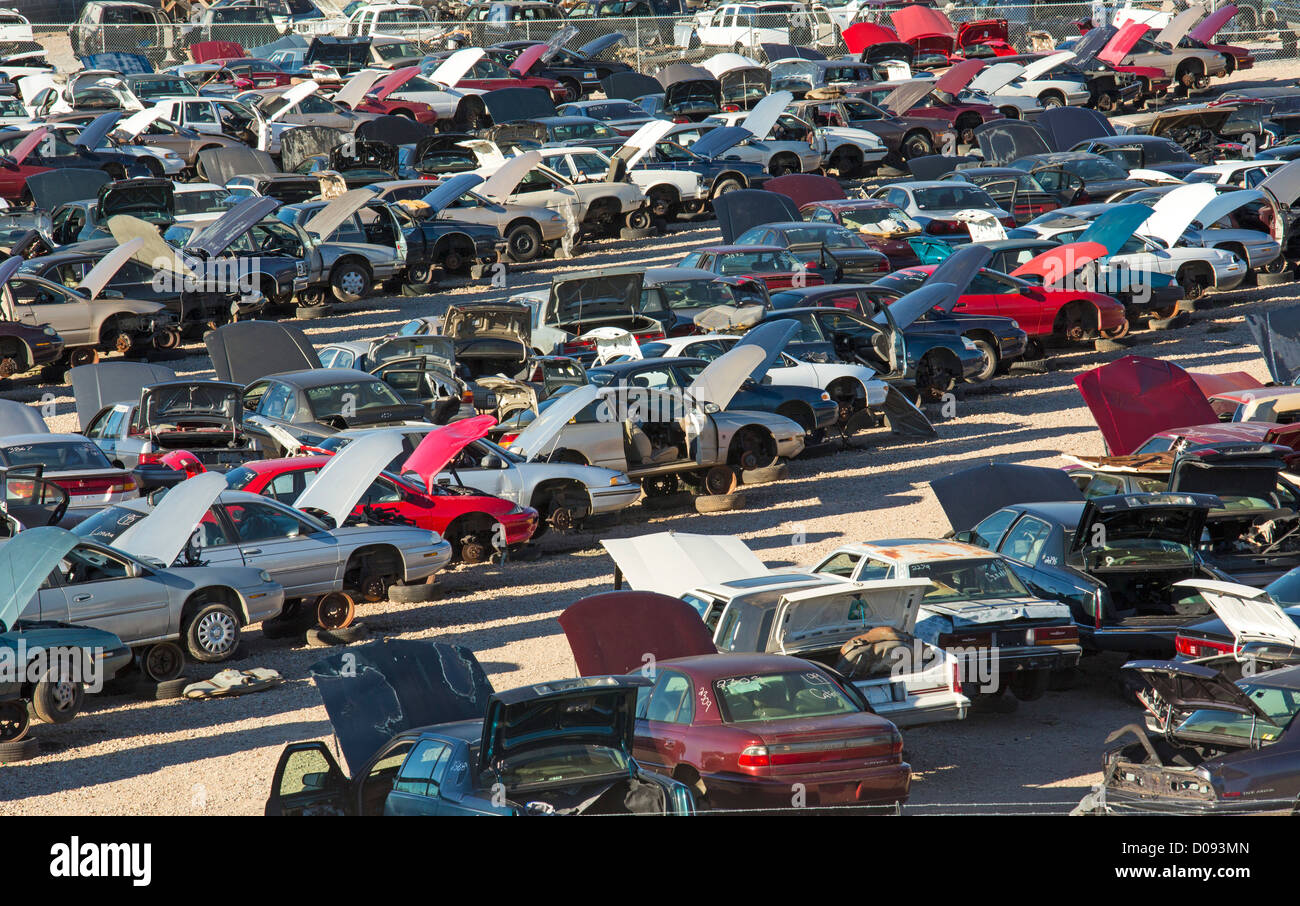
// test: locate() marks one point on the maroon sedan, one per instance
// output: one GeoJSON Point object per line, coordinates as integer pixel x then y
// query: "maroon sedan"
{"type": "Point", "coordinates": [746, 731]}
{"type": "Point", "coordinates": [777, 267]}
{"type": "Point", "coordinates": [882, 225]}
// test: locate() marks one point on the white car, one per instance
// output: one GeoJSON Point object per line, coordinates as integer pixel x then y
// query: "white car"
{"type": "Point", "coordinates": [563, 493]}
{"type": "Point", "coordinates": [202, 201]}
{"type": "Point", "coordinates": [159, 161]}
{"type": "Point", "coordinates": [752, 608]}
{"type": "Point", "coordinates": [777, 149]}
{"type": "Point", "coordinates": [742, 25]}
{"type": "Point", "coordinates": [215, 116]}
{"type": "Point", "coordinates": [1244, 174]}
{"type": "Point", "coordinates": [666, 190]}
{"type": "Point", "coordinates": [394, 19]}
{"type": "Point", "coordinates": [1003, 80]}
{"type": "Point", "coordinates": [462, 106]}
{"type": "Point", "coordinates": [842, 381]}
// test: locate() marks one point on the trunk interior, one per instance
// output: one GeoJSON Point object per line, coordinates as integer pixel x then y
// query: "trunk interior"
{"type": "Point", "coordinates": [1150, 592]}
{"type": "Point", "coordinates": [633, 323]}
{"type": "Point", "coordinates": [624, 796]}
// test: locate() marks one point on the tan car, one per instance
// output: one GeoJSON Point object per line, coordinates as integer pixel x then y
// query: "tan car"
{"type": "Point", "coordinates": [1187, 67]}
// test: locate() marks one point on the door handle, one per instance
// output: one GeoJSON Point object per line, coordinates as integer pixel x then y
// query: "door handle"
{"type": "Point", "coordinates": [253, 550]}
{"type": "Point", "coordinates": [77, 599]}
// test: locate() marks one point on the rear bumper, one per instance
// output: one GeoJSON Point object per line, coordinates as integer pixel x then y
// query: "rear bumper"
{"type": "Point", "coordinates": [926, 708]}
{"type": "Point", "coordinates": [883, 785]}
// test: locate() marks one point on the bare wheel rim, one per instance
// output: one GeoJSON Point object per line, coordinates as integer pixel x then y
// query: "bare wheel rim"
{"type": "Point", "coordinates": [335, 610]}
{"type": "Point", "coordinates": [216, 632]}
{"type": "Point", "coordinates": [162, 660]}
{"type": "Point", "coordinates": [13, 721]}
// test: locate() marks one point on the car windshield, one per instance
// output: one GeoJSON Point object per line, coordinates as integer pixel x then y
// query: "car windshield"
{"type": "Point", "coordinates": [980, 579]}
{"type": "Point", "coordinates": [332, 400]}
{"type": "Point", "coordinates": [105, 525]}
{"type": "Point", "coordinates": [686, 294]}
{"type": "Point", "coordinates": [879, 220]}
{"type": "Point", "coordinates": [1279, 704]}
{"type": "Point", "coordinates": [567, 132]}
{"type": "Point", "coordinates": [396, 50]}
{"type": "Point", "coordinates": [204, 201]}
{"type": "Point", "coordinates": [732, 263]}
{"type": "Point", "coordinates": [672, 152]}
{"type": "Point", "coordinates": [1211, 177]}
{"type": "Point", "coordinates": [612, 110]}
{"type": "Point", "coordinates": [55, 455]}
{"type": "Point", "coordinates": [160, 88]}
{"type": "Point", "coordinates": [831, 237]}
{"type": "Point", "coordinates": [780, 696]}
{"type": "Point", "coordinates": [589, 164]}
{"type": "Point", "coordinates": [954, 196]}
{"type": "Point", "coordinates": [1091, 168]}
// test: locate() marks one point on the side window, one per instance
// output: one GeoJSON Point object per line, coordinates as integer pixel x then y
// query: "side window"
{"type": "Point", "coordinates": [200, 113]}
{"type": "Point", "coordinates": [285, 488]}
{"type": "Point", "coordinates": [1103, 486]}
{"type": "Point", "coordinates": [274, 401]}
{"type": "Point", "coordinates": [88, 565]}
{"type": "Point", "coordinates": [897, 196]}
{"type": "Point", "coordinates": [113, 424]}
{"type": "Point", "coordinates": [256, 522]}
{"type": "Point", "coordinates": [821, 215]}
{"type": "Point", "coordinates": [988, 532]}
{"type": "Point", "coordinates": [875, 569]}
{"type": "Point", "coordinates": [841, 564]}
{"type": "Point", "coordinates": [327, 358]}
{"type": "Point", "coordinates": [1026, 539]}
{"type": "Point", "coordinates": [671, 700]}
{"type": "Point", "coordinates": [423, 769]}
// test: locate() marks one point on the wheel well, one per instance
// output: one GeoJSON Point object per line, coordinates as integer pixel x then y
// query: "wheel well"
{"type": "Point", "coordinates": [547, 491]}
{"type": "Point", "coordinates": [784, 156]}
{"type": "Point", "coordinates": [16, 349]}
{"type": "Point", "coordinates": [948, 357]}
{"type": "Point", "coordinates": [216, 594]}
{"type": "Point", "coordinates": [527, 221]}
{"type": "Point", "coordinates": [724, 176]}
{"type": "Point", "coordinates": [1196, 269]}
{"type": "Point", "coordinates": [846, 388]}
{"type": "Point", "coordinates": [1010, 112]}
{"type": "Point", "coordinates": [797, 411]}
{"type": "Point", "coordinates": [350, 258]}
{"type": "Point", "coordinates": [376, 560]}
{"type": "Point", "coordinates": [402, 111]}
{"type": "Point", "coordinates": [1086, 311]}
{"type": "Point", "coordinates": [446, 242]}
{"type": "Point", "coordinates": [769, 443]}
{"type": "Point", "coordinates": [603, 208]}
{"type": "Point", "coordinates": [984, 335]}
{"type": "Point", "coordinates": [664, 189]}
{"type": "Point", "coordinates": [919, 133]}
{"type": "Point", "coordinates": [968, 120]}
{"type": "Point", "coordinates": [1052, 93]}
{"type": "Point", "coordinates": [847, 150]}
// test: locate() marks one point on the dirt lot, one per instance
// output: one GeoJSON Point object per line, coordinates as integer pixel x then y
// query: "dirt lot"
{"type": "Point", "coordinates": [124, 756]}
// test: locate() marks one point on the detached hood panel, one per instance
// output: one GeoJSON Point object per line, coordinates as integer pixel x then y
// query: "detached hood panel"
{"type": "Point", "coordinates": [674, 563]}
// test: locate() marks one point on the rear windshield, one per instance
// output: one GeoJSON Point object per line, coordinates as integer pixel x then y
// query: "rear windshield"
{"type": "Point", "coordinates": [780, 696]}
{"type": "Point", "coordinates": [1279, 704]}
{"type": "Point", "coordinates": [56, 456]}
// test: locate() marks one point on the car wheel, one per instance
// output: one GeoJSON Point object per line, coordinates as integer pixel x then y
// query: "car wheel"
{"type": "Point", "coordinates": [991, 361]}
{"type": "Point", "coordinates": [724, 186]}
{"type": "Point", "coordinates": [350, 280]}
{"type": "Point", "coordinates": [14, 721]}
{"type": "Point", "coordinates": [212, 634]}
{"type": "Point", "coordinates": [523, 242]}
{"type": "Point", "coordinates": [335, 610]}
{"type": "Point", "coordinates": [20, 750]}
{"type": "Point", "coordinates": [327, 638]}
{"type": "Point", "coordinates": [719, 480]}
{"type": "Point", "coordinates": [57, 701]}
{"type": "Point", "coordinates": [917, 145]}
{"type": "Point", "coordinates": [163, 661]}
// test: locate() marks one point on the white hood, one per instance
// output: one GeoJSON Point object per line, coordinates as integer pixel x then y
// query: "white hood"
{"type": "Point", "coordinates": [339, 485]}
{"type": "Point", "coordinates": [696, 561]}
{"type": "Point", "coordinates": [456, 66]}
{"type": "Point", "coordinates": [501, 184]}
{"type": "Point", "coordinates": [1174, 213]}
{"type": "Point", "coordinates": [292, 97]}
{"type": "Point", "coordinates": [763, 117]}
{"type": "Point", "coordinates": [163, 534]}
{"type": "Point", "coordinates": [541, 433]}
{"type": "Point", "coordinates": [107, 267]}
{"type": "Point", "coordinates": [641, 141]}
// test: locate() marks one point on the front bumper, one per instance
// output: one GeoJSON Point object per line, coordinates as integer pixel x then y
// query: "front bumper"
{"type": "Point", "coordinates": [791, 446]}
{"type": "Point", "coordinates": [1013, 347]}
{"type": "Point", "coordinates": [423, 562]}
{"type": "Point", "coordinates": [263, 601]}
{"type": "Point", "coordinates": [1230, 276]}
{"type": "Point", "coordinates": [613, 498]}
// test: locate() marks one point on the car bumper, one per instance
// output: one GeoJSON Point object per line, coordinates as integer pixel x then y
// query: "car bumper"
{"type": "Point", "coordinates": [1230, 276]}
{"type": "Point", "coordinates": [1121, 802]}
{"type": "Point", "coordinates": [1013, 347]}
{"type": "Point", "coordinates": [263, 601]}
{"type": "Point", "coordinates": [789, 447]}
{"type": "Point", "coordinates": [826, 414]}
{"type": "Point", "coordinates": [46, 351]}
{"type": "Point", "coordinates": [423, 562]}
{"type": "Point", "coordinates": [520, 527]}
{"type": "Point", "coordinates": [613, 498]}
{"type": "Point", "coordinates": [881, 785]}
{"type": "Point", "coordinates": [917, 709]}
{"type": "Point", "coordinates": [990, 663]}
{"type": "Point", "coordinates": [114, 660]}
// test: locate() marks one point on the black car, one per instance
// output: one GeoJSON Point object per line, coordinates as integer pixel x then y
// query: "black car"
{"type": "Point", "coordinates": [830, 249]}
{"type": "Point", "coordinates": [1100, 176]}
{"type": "Point", "coordinates": [577, 70]}
{"type": "Point", "coordinates": [1014, 190]}
{"type": "Point", "coordinates": [813, 409]}
{"type": "Point", "coordinates": [557, 130]}
{"type": "Point", "coordinates": [721, 174]}
{"type": "Point", "coordinates": [1116, 561]}
{"type": "Point", "coordinates": [1149, 152]}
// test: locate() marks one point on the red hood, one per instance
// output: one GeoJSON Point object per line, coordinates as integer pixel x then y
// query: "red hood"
{"type": "Point", "coordinates": [1125, 38]}
{"type": "Point", "coordinates": [958, 77]}
{"type": "Point", "coordinates": [1135, 397]}
{"type": "Point", "coordinates": [1212, 384]}
{"type": "Point", "coordinates": [985, 31]}
{"type": "Point", "coordinates": [612, 633]}
{"type": "Point", "coordinates": [204, 51]}
{"type": "Point", "coordinates": [1212, 24]}
{"type": "Point", "coordinates": [528, 59]}
{"type": "Point", "coordinates": [1058, 263]}
{"type": "Point", "coordinates": [390, 83]}
{"type": "Point", "coordinates": [859, 36]}
{"type": "Point", "coordinates": [441, 445]}
{"type": "Point", "coordinates": [915, 22]}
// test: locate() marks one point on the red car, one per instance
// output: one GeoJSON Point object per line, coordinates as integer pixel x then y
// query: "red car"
{"type": "Point", "coordinates": [420, 112]}
{"type": "Point", "coordinates": [488, 75]}
{"type": "Point", "coordinates": [468, 519]}
{"type": "Point", "coordinates": [14, 173]}
{"type": "Point", "coordinates": [745, 731]}
{"type": "Point", "coordinates": [1202, 34]}
{"type": "Point", "coordinates": [1072, 314]}
{"type": "Point", "coordinates": [883, 226]}
{"type": "Point", "coordinates": [248, 73]}
{"type": "Point", "coordinates": [775, 266]}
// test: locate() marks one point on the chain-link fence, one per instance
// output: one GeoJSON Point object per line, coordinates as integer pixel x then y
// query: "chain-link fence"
{"type": "Point", "coordinates": [648, 42]}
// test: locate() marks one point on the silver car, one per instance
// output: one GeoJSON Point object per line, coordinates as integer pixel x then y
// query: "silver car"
{"type": "Point", "coordinates": [359, 242]}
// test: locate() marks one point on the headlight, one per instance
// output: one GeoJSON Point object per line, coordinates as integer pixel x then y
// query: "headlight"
{"type": "Point", "coordinates": [50, 332]}
{"type": "Point", "coordinates": [1015, 325]}
{"type": "Point", "coordinates": [619, 479]}
{"type": "Point", "coordinates": [826, 397]}
{"type": "Point", "coordinates": [968, 343]}
{"type": "Point", "coordinates": [264, 575]}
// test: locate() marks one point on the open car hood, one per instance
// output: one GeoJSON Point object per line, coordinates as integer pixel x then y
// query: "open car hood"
{"type": "Point", "coordinates": [506, 105]}
{"type": "Point", "coordinates": [721, 379]}
{"type": "Point", "coordinates": [674, 563]}
{"type": "Point", "coordinates": [20, 418]}
{"type": "Point", "coordinates": [106, 268]}
{"type": "Point", "coordinates": [135, 124]}
{"type": "Point", "coordinates": [539, 436]}
{"type": "Point", "coordinates": [592, 710]}
{"type": "Point", "coordinates": [1209, 118]}
{"type": "Point", "coordinates": [741, 210]}
{"type": "Point", "coordinates": [1175, 517]}
{"type": "Point", "coordinates": [26, 561]}
{"type": "Point", "coordinates": [1250, 472]}
{"type": "Point", "coordinates": [1283, 183]}
{"type": "Point", "coordinates": [968, 496]}
{"type": "Point", "coordinates": [216, 401]}
{"type": "Point", "coordinates": [997, 76]}
{"type": "Point", "coordinates": [152, 251]}
{"type": "Point", "coordinates": [771, 337]}
{"type": "Point", "coordinates": [955, 80]}
{"type": "Point", "coordinates": [612, 633]}
{"type": "Point", "coordinates": [507, 177]}
{"type": "Point", "coordinates": [760, 120]}
{"type": "Point", "coordinates": [511, 320]}
{"type": "Point", "coordinates": [338, 486]}
{"type": "Point", "coordinates": [1133, 397]}
{"type": "Point", "coordinates": [223, 164]}
{"type": "Point", "coordinates": [716, 142]}
{"type": "Point", "coordinates": [909, 307]}
{"type": "Point", "coordinates": [1115, 225]}
{"type": "Point", "coordinates": [164, 533]}
{"type": "Point", "coordinates": [107, 383]}
{"type": "Point", "coordinates": [24, 148]}
{"type": "Point", "coordinates": [450, 189]}
{"type": "Point", "coordinates": [329, 218]}
{"type": "Point", "coordinates": [441, 445]}
{"type": "Point", "coordinates": [437, 352]}
{"type": "Point", "coordinates": [1191, 687]}
{"type": "Point", "coordinates": [805, 188]}
{"type": "Point", "coordinates": [137, 198]}
{"type": "Point", "coordinates": [1225, 203]}
{"type": "Point", "coordinates": [96, 131]}
{"type": "Point", "coordinates": [1249, 613]}
{"type": "Point", "coordinates": [59, 186]}
{"type": "Point", "coordinates": [1277, 334]}
{"type": "Point", "coordinates": [376, 691]}
{"type": "Point", "coordinates": [592, 294]}
{"type": "Point", "coordinates": [291, 97]}
{"type": "Point", "coordinates": [741, 80]}
{"type": "Point", "coordinates": [1205, 30]}
{"type": "Point", "coordinates": [861, 35]}
{"type": "Point", "coordinates": [957, 269]}
{"type": "Point", "coordinates": [1054, 265]}
{"type": "Point", "coordinates": [628, 86]}
{"type": "Point", "coordinates": [393, 81]}
{"type": "Point", "coordinates": [1036, 69]}
{"type": "Point", "coordinates": [1124, 40]}
{"type": "Point", "coordinates": [598, 46]}
{"type": "Point", "coordinates": [819, 615]}
{"type": "Point", "coordinates": [456, 67]}
{"type": "Point", "coordinates": [613, 343]}
{"type": "Point", "coordinates": [641, 141]}
{"type": "Point", "coordinates": [528, 59]}
{"type": "Point", "coordinates": [721, 63]}
{"type": "Point", "coordinates": [1180, 25]}
{"type": "Point", "coordinates": [1004, 141]}
{"type": "Point", "coordinates": [356, 88]}
{"type": "Point", "coordinates": [219, 235]}
{"type": "Point", "coordinates": [1066, 127]}
{"type": "Point", "coordinates": [303, 142]}
{"type": "Point", "coordinates": [906, 96]}
{"type": "Point", "coordinates": [245, 351]}
{"type": "Point", "coordinates": [916, 21]}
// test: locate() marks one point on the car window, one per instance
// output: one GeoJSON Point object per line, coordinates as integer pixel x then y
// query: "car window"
{"type": "Point", "coordinates": [841, 564]}
{"type": "Point", "coordinates": [423, 769]}
{"type": "Point", "coordinates": [990, 530]}
{"type": "Point", "coordinates": [671, 699]}
{"type": "Point", "coordinates": [875, 569]}
{"type": "Point", "coordinates": [84, 564]}
{"type": "Point", "coordinates": [1026, 539]}
{"type": "Point", "coordinates": [1103, 486]}
{"type": "Point", "coordinates": [259, 522]}
{"type": "Point", "coordinates": [285, 487]}
{"type": "Point", "coordinates": [275, 401]}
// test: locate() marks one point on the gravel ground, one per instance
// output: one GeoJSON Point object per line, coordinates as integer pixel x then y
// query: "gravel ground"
{"type": "Point", "coordinates": [123, 756]}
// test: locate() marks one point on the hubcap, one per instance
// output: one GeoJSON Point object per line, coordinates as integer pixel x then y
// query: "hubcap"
{"type": "Point", "coordinates": [64, 695]}
{"type": "Point", "coordinates": [352, 282]}
{"type": "Point", "coordinates": [216, 632]}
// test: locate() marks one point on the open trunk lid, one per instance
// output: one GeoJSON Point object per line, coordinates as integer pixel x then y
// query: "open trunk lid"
{"type": "Point", "coordinates": [827, 616]}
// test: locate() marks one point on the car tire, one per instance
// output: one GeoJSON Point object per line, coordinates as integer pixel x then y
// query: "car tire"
{"type": "Point", "coordinates": [719, 503]}
{"type": "Point", "coordinates": [311, 312]}
{"type": "Point", "coordinates": [212, 634]}
{"type": "Point", "coordinates": [57, 702]}
{"type": "Point", "coordinates": [165, 691]}
{"type": "Point", "coordinates": [19, 750]}
{"type": "Point", "coordinates": [350, 281]}
{"type": "Point", "coordinates": [1177, 320]}
{"type": "Point", "coordinates": [991, 360]}
{"type": "Point", "coordinates": [778, 472]}
{"type": "Point", "coordinates": [413, 594]}
{"type": "Point", "coordinates": [1264, 278]}
{"type": "Point", "coordinates": [163, 661]}
{"type": "Point", "coordinates": [328, 638]}
{"type": "Point", "coordinates": [523, 243]}
{"type": "Point", "coordinates": [724, 186]}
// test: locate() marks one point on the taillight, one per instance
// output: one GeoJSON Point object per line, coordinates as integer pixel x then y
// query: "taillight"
{"type": "Point", "coordinates": [1052, 635]}
{"type": "Point", "coordinates": [731, 108]}
{"type": "Point", "coordinates": [507, 439]}
{"type": "Point", "coordinates": [1200, 647]}
{"type": "Point", "coordinates": [575, 346]}
{"type": "Point", "coordinates": [649, 336]}
{"type": "Point", "coordinates": [467, 398]}
{"type": "Point", "coordinates": [681, 120]}
{"type": "Point", "coordinates": [944, 227]}
{"type": "Point", "coordinates": [754, 757]}
{"type": "Point", "coordinates": [124, 484]}
{"type": "Point", "coordinates": [1008, 221]}
{"type": "Point", "coordinates": [151, 459]}
{"type": "Point", "coordinates": [956, 677]}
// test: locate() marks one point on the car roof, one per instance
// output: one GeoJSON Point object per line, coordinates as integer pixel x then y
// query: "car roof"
{"type": "Point", "coordinates": [634, 364]}
{"type": "Point", "coordinates": [1066, 513]}
{"type": "Point", "coordinates": [1130, 139]}
{"type": "Point", "coordinates": [726, 249]}
{"type": "Point", "coordinates": [718, 666]}
{"type": "Point", "coordinates": [10, 440]}
{"type": "Point", "coordinates": [917, 550]}
{"type": "Point", "coordinates": [308, 378]}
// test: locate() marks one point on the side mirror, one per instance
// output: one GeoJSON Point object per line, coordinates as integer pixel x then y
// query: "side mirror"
{"type": "Point", "coordinates": [966, 537]}
{"type": "Point", "coordinates": [491, 461]}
